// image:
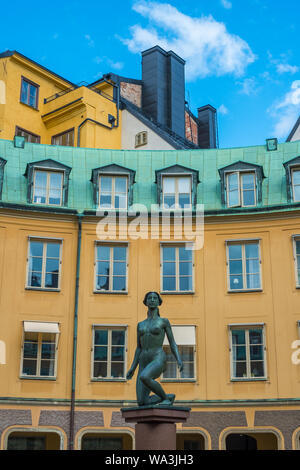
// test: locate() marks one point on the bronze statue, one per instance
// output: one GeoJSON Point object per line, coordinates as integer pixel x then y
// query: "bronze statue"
{"type": "Point", "coordinates": [150, 356]}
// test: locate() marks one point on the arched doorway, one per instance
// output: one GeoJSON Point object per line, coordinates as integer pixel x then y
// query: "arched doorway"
{"type": "Point", "coordinates": [252, 441]}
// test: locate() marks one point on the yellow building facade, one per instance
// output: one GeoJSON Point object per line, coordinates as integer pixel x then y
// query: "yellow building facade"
{"type": "Point", "coordinates": [68, 339]}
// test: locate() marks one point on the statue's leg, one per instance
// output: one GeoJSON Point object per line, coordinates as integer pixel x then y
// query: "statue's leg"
{"type": "Point", "coordinates": [142, 392]}
{"type": "Point", "coordinates": [151, 372]}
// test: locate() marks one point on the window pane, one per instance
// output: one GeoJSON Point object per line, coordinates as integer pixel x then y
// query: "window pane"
{"type": "Point", "coordinates": [105, 200]}
{"type": "Point", "coordinates": [119, 253]}
{"type": "Point", "coordinates": [239, 353]}
{"type": "Point", "coordinates": [188, 370]}
{"type": "Point", "coordinates": [24, 91]}
{"type": "Point", "coordinates": [121, 184]}
{"type": "Point", "coordinates": [296, 177]}
{"type": "Point", "coordinates": [117, 354]}
{"type": "Point", "coordinates": [236, 267]}
{"type": "Point", "coordinates": [233, 198]}
{"type": "Point", "coordinates": [100, 369]}
{"type": "Point", "coordinates": [32, 95]}
{"type": "Point", "coordinates": [30, 349]}
{"type": "Point", "coordinates": [39, 195]}
{"type": "Point", "coordinates": [120, 201]}
{"type": "Point", "coordinates": [53, 250]}
{"type": "Point", "coordinates": [102, 283]}
{"type": "Point", "coordinates": [297, 193]}
{"type": "Point", "coordinates": [47, 368]}
{"type": "Point", "coordinates": [117, 369]}
{"type": "Point", "coordinates": [34, 279]}
{"type": "Point", "coordinates": [185, 268]}
{"type": "Point", "coordinates": [103, 253]}
{"type": "Point", "coordinates": [169, 185]}
{"type": "Point", "coordinates": [35, 264]}
{"type": "Point", "coordinates": [48, 350]}
{"type": "Point", "coordinates": [169, 201]}
{"type": "Point", "coordinates": [169, 254]}
{"type": "Point", "coordinates": [169, 283]}
{"type": "Point", "coordinates": [238, 337]}
{"type": "Point", "coordinates": [233, 181]}
{"type": "Point", "coordinates": [52, 265]}
{"type": "Point", "coordinates": [55, 180]}
{"type": "Point", "coordinates": [257, 369]}
{"type": "Point", "coordinates": [236, 282]}
{"type": "Point", "coordinates": [256, 336]}
{"type": "Point", "coordinates": [100, 353]}
{"type": "Point", "coordinates": [118, 337]}
{"type": "Point", "coordinates": [248, 181]}
{"type": "Point", "coordinates": [51, 280]}
{"type": "Point", "coordinates": [119, 283]}
{"type": "Point", "coordinates": [55, 197]}
{"type": "Point", "coordinates": [186, 353]}
{"type": "Point", "coordinates": [251, 250]}
{"type": "Point", "coordinates": [248, 198]}
{"type": "Point", "coordinates": [169, 268]}
{"type": "Point", "coordinates": [41, 179]}
{"type": "Point", "coordinates": [119, 268]}
{"type": "Point", "coordinates": [253, 281]}
{"type": "Point", "coordinates": [184, 184]}
{"type": "Point", "coordinates": [106, 183]}
{"type": "Point", "coordinates": [103, 268]}
{"type": "Point", "coordinates": [171, 370]}
{"type": "Point", "coordinates": [252, 266]}
{"type": "Point", "coordinates": [256, 353]}
{"type": "Point", "coordinates": [298, 247]}
{"type": "Point", "coordinates": [185, 255]}
{"type": "Point", "coordinates": [101, 336]}
{"type": "Point", "coordinates": [235, 251]}
{"type": "Point", "coordinates": [185, 283]}
{"type": "Point", "coordinates": [29, 367]}
{"type": "Point", "coordinates": [184, 200]}
{"type": "Point", "coordinates": [239, 369]}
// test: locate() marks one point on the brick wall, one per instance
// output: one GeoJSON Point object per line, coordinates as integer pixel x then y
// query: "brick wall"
{"type": "Point", "coordinates": [191, 128]}
{"type": "Point", "coordinates": [132, 93]}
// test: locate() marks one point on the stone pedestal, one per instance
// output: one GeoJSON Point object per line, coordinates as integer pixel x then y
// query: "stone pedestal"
{"type": "Point", "coordinates": [155, 427]}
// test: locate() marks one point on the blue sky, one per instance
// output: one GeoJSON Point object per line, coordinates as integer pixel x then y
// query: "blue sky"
{"type": "Point", "coordinates": [241, 55]}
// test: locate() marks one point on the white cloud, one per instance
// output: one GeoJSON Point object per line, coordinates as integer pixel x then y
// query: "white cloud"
{"type": "Point", "coordinates": [98, 59]}
{"type": "Point", "coordinates": [248, 86]}
{"type": "Point", "coordinates": [222, 109]}
{"type": "Point", "coordinates": [286, 68]}
{"type": "Point", "coordinates": [91, 42]}
{"type": "Point", "coordinates": [205, 44]}
{"type": "Point", "coordinates": [115, 65]}
{"type": "Point", "coordinates": [286, 110]}
{"type": "Point", "coordinates": [226, 4]}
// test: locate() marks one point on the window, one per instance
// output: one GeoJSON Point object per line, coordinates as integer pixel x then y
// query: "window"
{"type": "Point", "coordinates": [26, 443]}
{"type": "Point", "coordinates": [40, 340]}
{"type": "Point", "coordinates": [47, 187]}
{"type": "Point", "coordinates": [113, 187]}
{"type": "Point", "coordinates": [241, 184]}
{"type": "Point", "coordinates": [29, 136]}
{"type": "Point", "coordinates": [296, 184]}
{"type": "Point", "coordinates": [177, 187]}
{"type": "Point", "coordinates": [241, 189]}
{"type": "Point", "coordinates": [113, 192]}
{"type": "Point", "coordinates": [47, 183]}
{"type": "Point", "coordinates": [44, 263]}
{"type": "Point", "coordinates": [176, 192]}
{"type": "Point", "coordinates": [247, 346]}
{"type": "Point", "coordinates": [65, 138]}
{"type": "Point", "coordinates": [177, 268]}
{"type": "Point", "coordinates": [185, 339]}
{"type": "Point", "coordinates": [29, 93]}
{"type": "Point", "coordinates": [243, 263]}
{"type": "Point", "coordinates": [108, 352]}
{"type": "Point", "coordinates": [141, 139]}
{"type": "Point", "coordinates": [296, 243]}
{"type": "Point", "coordinates": [111, 268]}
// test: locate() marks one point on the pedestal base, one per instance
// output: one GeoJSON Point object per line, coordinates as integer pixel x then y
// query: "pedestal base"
{"type": "Point", "coordinates": [156, 426]}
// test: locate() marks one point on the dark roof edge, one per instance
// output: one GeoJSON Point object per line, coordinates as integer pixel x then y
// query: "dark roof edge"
{"type": "Point", "coordinates": [296, 125]}
{"type": "Point", "coordinates": [11, 53]}
{"type": "Point", "coordinates": [117, 79]}
{"type": "Point", "coordinates": [161, 132]}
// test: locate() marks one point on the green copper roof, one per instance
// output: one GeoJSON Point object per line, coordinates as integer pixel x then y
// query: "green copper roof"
{"type": "Point", "coordinates": [145, 162]}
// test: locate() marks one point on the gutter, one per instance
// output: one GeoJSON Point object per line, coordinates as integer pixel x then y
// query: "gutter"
{"type": "Point", "coordinates": [72, 406]}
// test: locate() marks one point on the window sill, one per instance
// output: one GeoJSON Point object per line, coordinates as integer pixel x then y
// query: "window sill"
{"type": "Point", "coordinates": [177, 293]}
{"type": "Point", "coordinates": [250, 379]}
{"type": "Point", "coordinates": [25, 377]}
{"type": "Point", "coordinates": [110, 292]}
{"type": "Point", "coordinates": [29, 106]}
{"type": "Point", "coordinates": [108, 380]}
{"type": "Point", "coordinates": [178, 380]}
{"type": "Point", "coordinates": [238, 291]}
{"type": "Point", "coordinates": [42, 289]}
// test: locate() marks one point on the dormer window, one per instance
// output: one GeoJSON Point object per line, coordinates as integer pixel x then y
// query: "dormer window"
{"type": "Point", "coordinates": [113, 187]}
{"type": "Point", "coordinates": [241, 184]}
{"type": "Point", "coordinates": [177, 187]}
{"type": "Point", "coordinates": [48, 183]}
{"type": "Point", "coordinates": [292, 172]}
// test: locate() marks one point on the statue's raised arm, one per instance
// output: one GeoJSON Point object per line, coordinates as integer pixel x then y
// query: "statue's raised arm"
{"type": "Point", "coordinates": [150, 356]}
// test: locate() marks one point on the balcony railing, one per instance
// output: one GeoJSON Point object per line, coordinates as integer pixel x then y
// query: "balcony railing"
{"type": "Point", "coordinates": [74, 87]}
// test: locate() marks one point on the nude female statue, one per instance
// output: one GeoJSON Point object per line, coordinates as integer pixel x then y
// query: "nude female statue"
{"type": "Point", "coordinates": [150, 356]}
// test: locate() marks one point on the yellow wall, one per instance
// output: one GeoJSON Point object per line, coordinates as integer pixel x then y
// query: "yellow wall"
{"type": "Point", "coordinates": [211, 308]}
{"type": "Point", "coordinates": [92, 105]}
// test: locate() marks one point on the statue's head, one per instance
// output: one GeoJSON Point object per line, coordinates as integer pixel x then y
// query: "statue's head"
{"type": "Point", "coordinates": [152, 299]}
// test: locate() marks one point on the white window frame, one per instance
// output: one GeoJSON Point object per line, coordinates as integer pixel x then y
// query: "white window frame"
{"type": "Point", "coordinates": [176, 194]}
{"type": "Point", "coordinates": [177, 277]}
{"type": "Point", "coordinates": [295, 239]}
{"type": "Point", "coordinates": [247, 327]}
{"type": "Point", "coordinates": [39, 358]}
{"type": "Point", "coordinates": [178, 377]}
{"type": "Point", "coordinates": [48, 173]}
{"type": "Point", "coordinates": [44, 241]}
{"type": "Point", "coordinates": [240, 173]}
{"type": "Point", "coordinates": [111, 261]}
{"type": "Point", "coordinates": [244, 243]}
{"type": "Point", "coordinates": [293, 170]}
{"type": "Point", "coordinates": [109, 328]}
{"type": "Point", "coordinates": [113, 192]}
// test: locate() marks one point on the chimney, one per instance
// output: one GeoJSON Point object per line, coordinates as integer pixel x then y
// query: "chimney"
{"type": "Point", "coordinates": [163, 96]}
{"type": "Point", "coordinates": [207, 125]}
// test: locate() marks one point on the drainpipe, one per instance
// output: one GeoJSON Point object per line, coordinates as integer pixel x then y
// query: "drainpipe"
{"type": "Point", "coordinates": [72, 409]}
